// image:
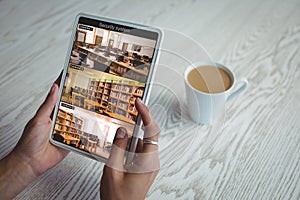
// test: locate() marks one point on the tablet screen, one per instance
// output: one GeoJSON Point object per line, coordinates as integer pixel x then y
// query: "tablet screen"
{"type": "Point", "coordinates": [108, 69]}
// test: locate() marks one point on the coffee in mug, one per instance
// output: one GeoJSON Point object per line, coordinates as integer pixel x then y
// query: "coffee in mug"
{"type": "Point", "coordinates": [209, 79]}
{"type": "Point", "coordinates": [208, 88]}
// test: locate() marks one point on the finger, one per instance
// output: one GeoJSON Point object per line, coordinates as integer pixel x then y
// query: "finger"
{"type": "Point", "coordinates": [116, 159]}
{"type": "Point", "coordinates": [46, 108]}
{"type": "Point", "coordinates": [145, 159]}
{"type": "Point", "coordinates": [151, 129]}
{"type": "Point", "coordinates": [144, 111]}
{"type": "Point", "coordinates": [57, 81]}
{"type": "Point", "coordinates": [139, 148]}
{"type": "Point", "coordinates": [147, 148]}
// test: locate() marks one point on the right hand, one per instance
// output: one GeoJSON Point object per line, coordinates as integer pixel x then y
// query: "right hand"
{"type": "Point", "coordinates": [134, 181]}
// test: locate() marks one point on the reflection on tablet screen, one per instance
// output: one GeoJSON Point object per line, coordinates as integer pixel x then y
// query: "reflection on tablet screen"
{"type": "Point", "coordinates": [107, 71]}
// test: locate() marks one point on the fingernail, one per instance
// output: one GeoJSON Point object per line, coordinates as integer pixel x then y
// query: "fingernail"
{"type": "Point", "coordinates": [140, 101]}
{"type": "Point", "coordinates": [52, 89]}
{"type": "Point", "coordinates": [121, 133]}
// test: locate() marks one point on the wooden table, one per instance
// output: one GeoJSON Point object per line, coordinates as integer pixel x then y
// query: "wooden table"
{"type": "Point", "coordinates": [255, 153]}
{"type": "Point", "coordinates": [68, 138]}
{"type": "Point", "coordinates": [143, 72]}
{"type": "Point", "coordinates": [130, 67]}
{"type": "Point", "coordinates": [100, 54]}
{"type": "Point", "coordinates": [89, 103]}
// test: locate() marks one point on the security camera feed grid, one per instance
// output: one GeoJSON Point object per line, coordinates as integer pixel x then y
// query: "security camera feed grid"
{"type": "Point", "coordinates": [107, 71]}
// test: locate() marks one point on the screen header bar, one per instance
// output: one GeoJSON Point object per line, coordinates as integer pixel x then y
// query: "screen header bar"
{"type": "Point", "coordinates": [119, 28]}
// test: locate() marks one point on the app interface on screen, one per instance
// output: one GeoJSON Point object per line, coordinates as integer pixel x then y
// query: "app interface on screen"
{"type": "Point", "coordinates": [107, 71]}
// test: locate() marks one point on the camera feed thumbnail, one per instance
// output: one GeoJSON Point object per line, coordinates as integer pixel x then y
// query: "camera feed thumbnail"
{"type": "Point", "coordinates": [107, 71]}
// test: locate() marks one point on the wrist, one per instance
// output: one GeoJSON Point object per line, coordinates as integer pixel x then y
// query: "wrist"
{"type": "Point", "coordinates": [21, 166]}
{"type": "Point", "coordinates": [16, 174]}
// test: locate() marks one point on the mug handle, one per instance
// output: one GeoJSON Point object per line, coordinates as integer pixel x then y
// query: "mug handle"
{"type": "Point", "coordinates": [239, 90]}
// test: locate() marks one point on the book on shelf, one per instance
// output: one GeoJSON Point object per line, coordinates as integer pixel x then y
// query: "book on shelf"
{"type": "Point", "coordinates": [114, 97]}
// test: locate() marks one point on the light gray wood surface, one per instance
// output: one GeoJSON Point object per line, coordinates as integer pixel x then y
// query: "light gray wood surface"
{"type": "Point", "coordinates": [253, 154]}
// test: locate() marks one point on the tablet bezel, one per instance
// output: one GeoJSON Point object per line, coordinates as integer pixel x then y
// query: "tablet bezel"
{"type": "Point", "coordinates": [137, 128]}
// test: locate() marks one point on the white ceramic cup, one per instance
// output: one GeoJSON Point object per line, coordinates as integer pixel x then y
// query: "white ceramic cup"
{"type": "Point", "coordinates": [205, 108]}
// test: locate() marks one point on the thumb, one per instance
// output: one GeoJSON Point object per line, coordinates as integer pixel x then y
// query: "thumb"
{"type": "Point", "coordinates": [116, 159]}
{"type": "Point", "coordinates": [46, 108]}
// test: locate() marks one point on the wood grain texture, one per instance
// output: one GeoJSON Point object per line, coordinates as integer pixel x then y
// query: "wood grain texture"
{"type": "Point", "coordinates": [254, 154]}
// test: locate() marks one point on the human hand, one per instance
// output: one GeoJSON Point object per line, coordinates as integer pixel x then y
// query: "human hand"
{"type": "Point", "coordinates": [34, 146]}
{"type": "Point", "coordinates": [33, 154]}
{"type": "Point", "coordinates": [132, 181]}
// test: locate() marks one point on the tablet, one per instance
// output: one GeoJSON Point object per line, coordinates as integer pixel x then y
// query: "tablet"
{"type": "Point", "coordinates": [109, 64]}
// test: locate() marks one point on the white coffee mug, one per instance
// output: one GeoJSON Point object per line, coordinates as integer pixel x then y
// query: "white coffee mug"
{"type": "Point", "coordinates": [205, 108]}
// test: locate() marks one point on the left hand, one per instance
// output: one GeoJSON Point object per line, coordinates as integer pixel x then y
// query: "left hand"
{"type": "Point", "coordinates": [34, 146]}
{"type": "Point", "coordinates": [33, 154]}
